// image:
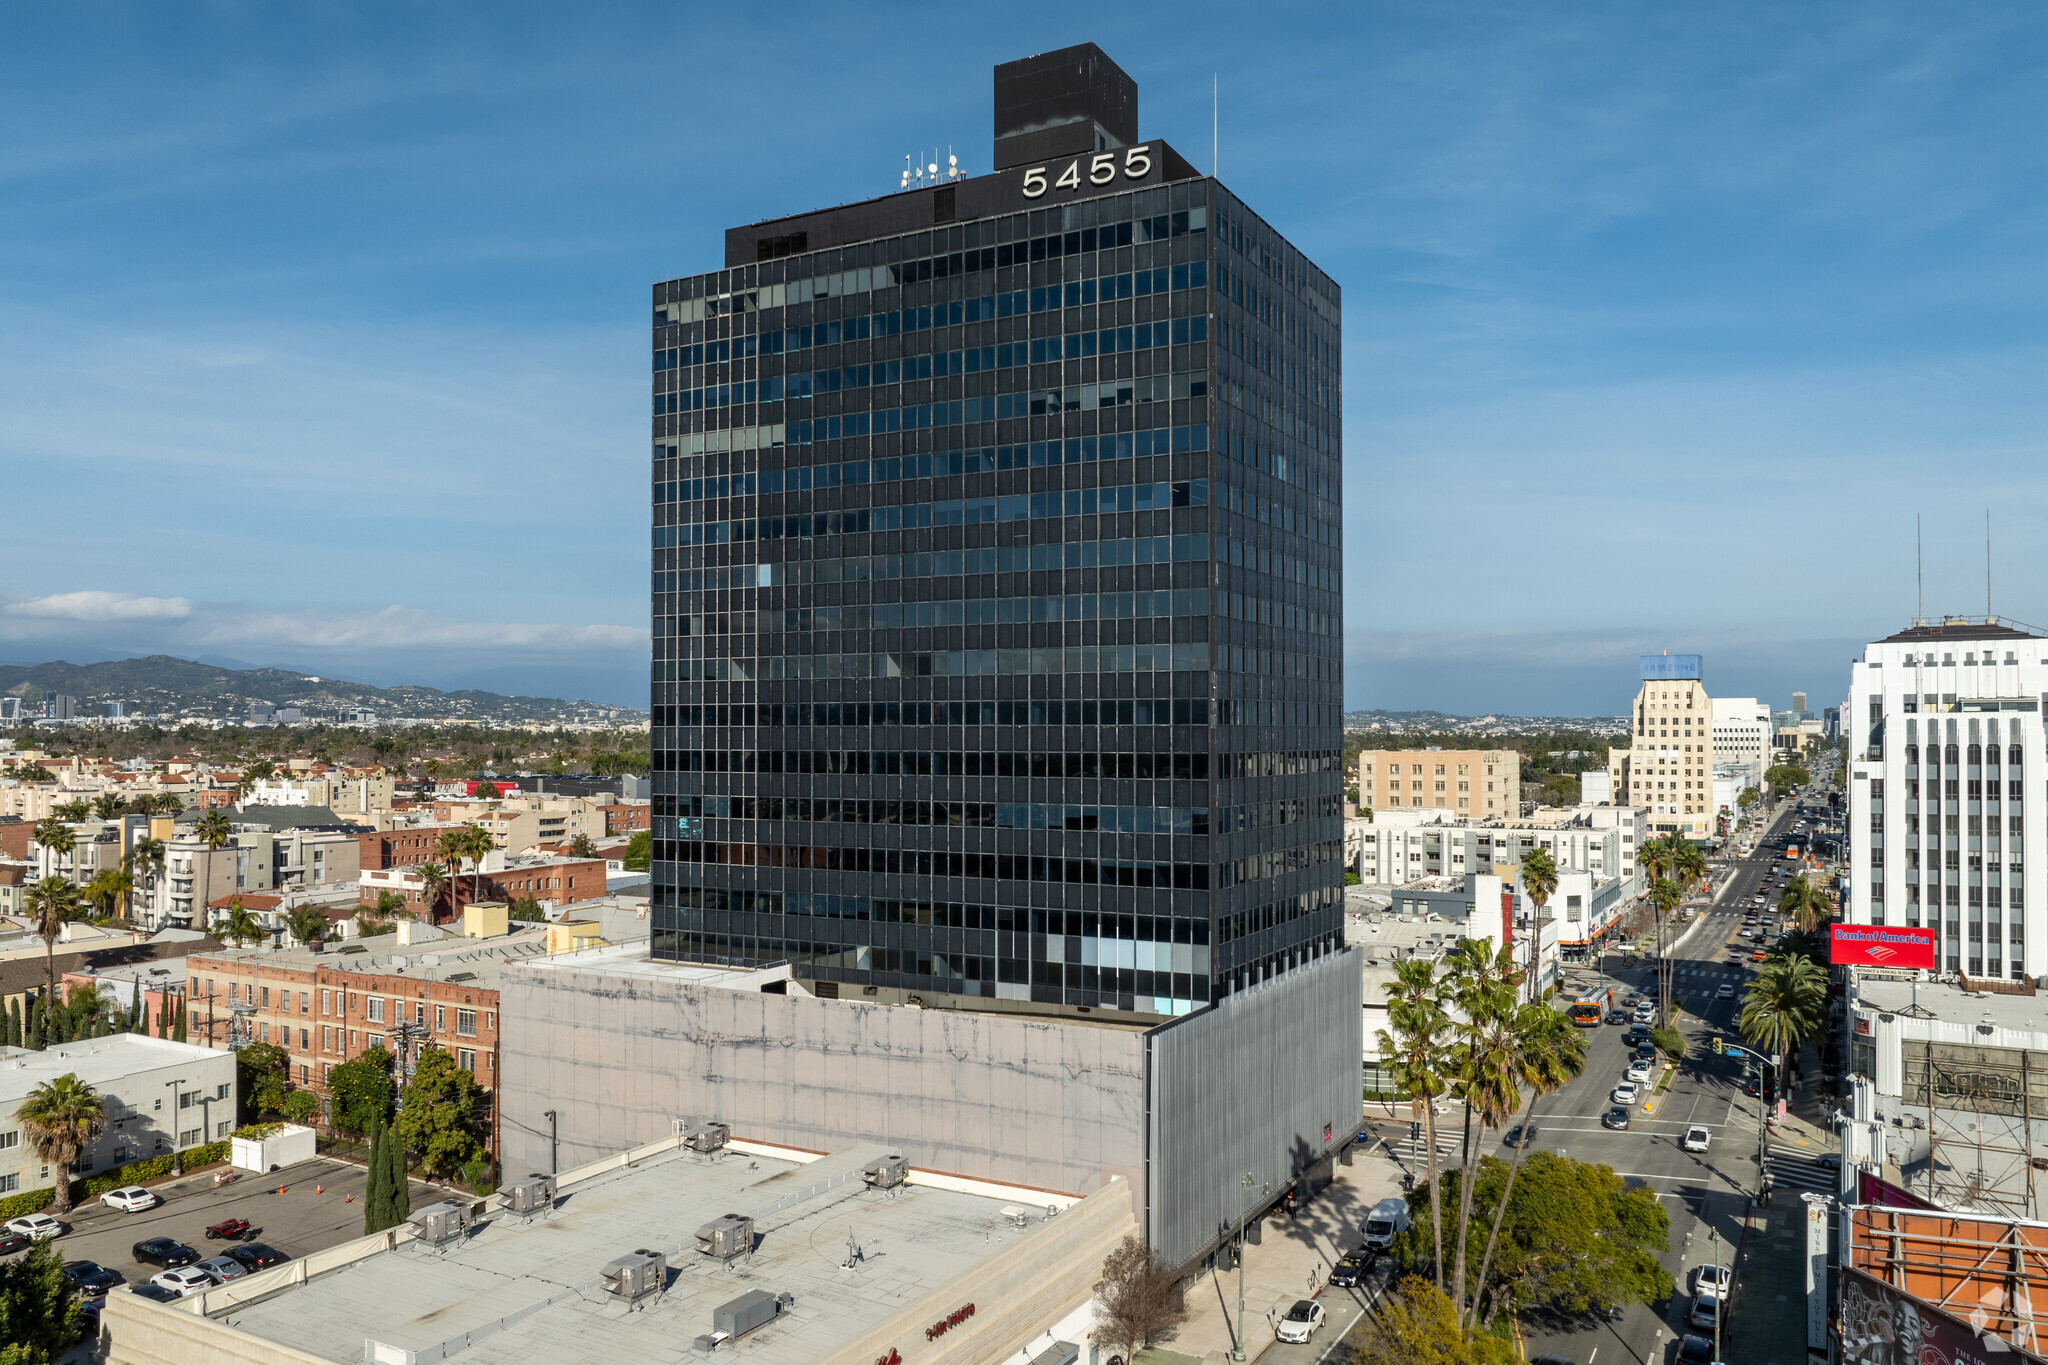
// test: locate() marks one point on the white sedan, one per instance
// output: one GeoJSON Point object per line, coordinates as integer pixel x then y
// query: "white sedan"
{"type": "Point", "coordinates": [37, 1227]}
{"type": "Point", "coordinates": [1637, 1071]}
{"type": "Point", "coordinates": [1724, 992]}
{"type": "Point", "coordinates": [130, 1199]}
{"type": "Point", "coordinates": [186, 1279]}
{"type": "Point", "coordinates": [1626, 1093]}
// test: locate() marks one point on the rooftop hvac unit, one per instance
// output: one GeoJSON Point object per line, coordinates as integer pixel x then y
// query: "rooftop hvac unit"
{"type": "Point", "coordinates": [887, 1173]}
{"type": "Point", "coordinates": [640, 1273]}
{"type": "Point", "coordinates": [437, 1224]}
{"type": "Point", "coordinates": [707, 1137]}
{"type": "Point", "coordinates": [531, 1195]}
{"type": "Point", "coordinates": [743, 1314]}
{"type": "Point", "coordinates": [726, 1237]}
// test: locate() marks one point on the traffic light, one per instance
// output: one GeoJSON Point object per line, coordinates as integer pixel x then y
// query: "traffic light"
{"type": "Point", "coordinates": [1717, 1045]}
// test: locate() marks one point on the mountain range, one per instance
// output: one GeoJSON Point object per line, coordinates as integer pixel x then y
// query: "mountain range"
{"type": "Point", "coordinates": [162, 684]}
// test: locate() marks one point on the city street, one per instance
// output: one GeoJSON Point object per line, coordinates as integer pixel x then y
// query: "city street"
{"type": "Point", "coordinates": [1706, 1194]}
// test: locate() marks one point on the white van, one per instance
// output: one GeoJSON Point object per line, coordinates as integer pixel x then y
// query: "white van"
{"type": "Point", "coordinates": [1388, 1219]}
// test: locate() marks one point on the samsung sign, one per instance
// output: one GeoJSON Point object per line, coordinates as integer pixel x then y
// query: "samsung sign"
{"type": "Point", "coordinates": [1670, 667]}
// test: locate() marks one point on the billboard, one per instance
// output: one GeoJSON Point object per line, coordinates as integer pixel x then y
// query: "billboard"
{"type": "Point", "coordinates": [1670, 667]}
{"type": "Point", "coordinates": [1886, 1326]}
{"type": "Point", "coordinates": [1880, 945]}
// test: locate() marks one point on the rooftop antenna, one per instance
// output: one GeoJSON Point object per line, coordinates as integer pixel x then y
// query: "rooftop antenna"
{"type": "Point", "coordinates": [1919, 577]}
{"type": "Point", "coordinates": [1215, 124]}
{"type": "Point", "coordinates": [1987, 566]}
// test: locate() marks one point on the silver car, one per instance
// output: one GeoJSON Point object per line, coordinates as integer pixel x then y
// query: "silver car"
{"type": "Point", "coordinates": [221, 1269]}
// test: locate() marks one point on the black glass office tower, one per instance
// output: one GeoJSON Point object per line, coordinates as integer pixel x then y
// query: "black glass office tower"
{"type": "Point", "coordinates": [997, 600]}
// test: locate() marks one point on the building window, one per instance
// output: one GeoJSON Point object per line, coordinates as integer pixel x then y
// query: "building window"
{"type": "Point", "coordinates": [376, 1009]}
{"type": "Point", "coordinates": [305, 1002]}
{"type": "Point", "coordinates": [191, 1137]}
{"type": "Point", "coordinates": [465, 1023]}
{"type": "Point", "coordinates": [220, 1130]}
{"type": "Point", "coordinates": [12, 1139]}
{"type": "Point", "coordinates": [10, 1182]}
{"type": "Point", "coordinates": [465, 1058]}
{"type": "Point", "coordinates": [440, 1018]}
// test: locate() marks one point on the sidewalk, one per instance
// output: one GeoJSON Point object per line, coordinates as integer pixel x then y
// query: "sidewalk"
{"type": "Point", "coordinates": [1767, 1320]}
{"type": "Point", "coordinates": [1292, 1263]}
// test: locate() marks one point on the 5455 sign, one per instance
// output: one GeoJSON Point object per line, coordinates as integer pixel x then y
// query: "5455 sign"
{"type": "Point", "coordinates": [1096, 170]}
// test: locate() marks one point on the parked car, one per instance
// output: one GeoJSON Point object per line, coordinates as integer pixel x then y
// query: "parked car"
{"type": "Point", "coordinates": [12, 1242]}
{"type": "Point", "coordinates": [183, 1280]}
{"type": "Point", "coordinates": [1626, 1093]}
{"type": "Point", "coordinates": [130, 1199]}
{"type": "Point", "coordinates": [1616, 1118]}
{"type": "Point", "coordinates": [1694, 1350]}
{"type": "Point", "coordinates": [168, 1252]}
{"type": "Point", "coordinates": [1301, 1321]}
{"type": "Point", "coordinates": [1695, 1139]}
{"type": "Point", "coordinates": [1638, 1070]}
{"type": "Point", "coordinates": [222, 1268]}
{"type": "Point", "coordinates": [1646, 1052]}
{"type": "Point", "coordinates": [257, 1256]}
{"type": "Point", "coordinates": [37, 1227]}
{"type": "Point", "coordinates": [1388, 1219]}
{"type": "Point", "coordinates": [1349, 1272]}
{"type": "Point", "coordinates": [1711, 1282]}
{"type": "Point", "coordinates": [152, 1291]}
{"type": "Point", "coordinates": [91, 1279]}
{"type": "Point", "coordinates": [1706, 1310]}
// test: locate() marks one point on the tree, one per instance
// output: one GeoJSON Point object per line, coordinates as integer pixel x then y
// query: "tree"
{"type": "Point", "coordinates": [1414, 1051]}
{"type": "Point", "coordinates": [39, 1315]}
{"type": "Point", "coordinates": [61, 1118]}
{"type": "Point", "coordinates": [264, 1078]}
{"type": "Point", "coordinates": [110, 888]}
{"type": "Point", "coordinates": [1485, 984]}
{"type": "Point", "coordinates": [213, 829]}
{"type": "Point", "coordinates": [360, 1092]}
{"type": "Point", "coordinates": [1665, 898]}
{"type": "Point", "coordinates": [301, 1106]}
{"type": "Point", "coordinates": [582, 847]}
{"type": "Point", "coordinates": [442, 1114]}
{"type": "Point", "coordinates": [1545, 1052]}
{"type": "Point", "coordinates": [477, 844]}
{"type": "Point", "coordinates": [1782, 777]}
{"type": "Point", "coordinates": [107, 806]}
{"type": "Point", "coordinates": [1418, 1325]}
{"type": "Point", "coordinates": [639, 851]}
{"type": "Point", "coordinates": [526, 909]}
{"type": "Point", "coordinates": [308, 924]}
{"type": "Point", "coordinates": [433, 877]}
{"type": "Point", "coordinates": [50, 903]}
{"type": "Point", "coordinates": [72, 811]}
{"type": "Point", "coordinates": [1806, 903]}
{"type": "Point", "coordinates": [1539, 877]}
{"type": "Point", "coordinates": [376, 1195]}
{"type": "Point", "coordinates": [1784, 1005]}
{"type": "Point", "coordinates": [1749, 797]}
{"type": "Point", "coordinates": [238, 924]}
{"type": "Point", "coordinates": [145, 853]}
{"type": "Point", "coordinates": [1140, 1297]}
{"type": "Point", "coordinates": [56, 836]}
{"type": "Point", "coordinates": [178, 1029]}
{"type": "Point", "coordinates": [391, 905]}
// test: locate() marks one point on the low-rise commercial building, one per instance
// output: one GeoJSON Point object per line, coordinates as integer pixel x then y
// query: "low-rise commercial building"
{"type": "Point", "coordinates": [550, 881]}
{"type": "Point", "coordinates": [1483, 783]}
{"type": "Point", "coordinates": [159, 1095]}
{"type": "Point", "coordinates": [1399, 847]}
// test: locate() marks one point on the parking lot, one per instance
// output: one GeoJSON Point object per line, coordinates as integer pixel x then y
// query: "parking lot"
{"type": "Point", "coordinates": [321, 1206]}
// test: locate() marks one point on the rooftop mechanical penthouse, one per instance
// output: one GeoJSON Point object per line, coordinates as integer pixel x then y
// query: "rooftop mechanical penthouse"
{"type": "Point", "coordinates": [996, 580]}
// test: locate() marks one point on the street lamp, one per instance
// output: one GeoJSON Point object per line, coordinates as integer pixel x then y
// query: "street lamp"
{"type": "Point", "coordinates": [177, 1156]}
{"type": "Point", "coordinates": [1244, 1188]}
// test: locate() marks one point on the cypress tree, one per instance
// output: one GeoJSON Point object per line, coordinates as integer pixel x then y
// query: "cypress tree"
{"type": "Point", "coordinates": [34, 1036]}
{"type": "Point", "coordinates": [374, 1189]}
{"type": "Point", "coordinates": [395, 1180]}
{"type": "Point", "coordinates": [163, 1015]}
{"type": "Point", "coordinates": [12, 1023]}
{"type": "Point", "coordinates": [178, 1029]}
{"type": "Point", "coordinates": [136, 1023]}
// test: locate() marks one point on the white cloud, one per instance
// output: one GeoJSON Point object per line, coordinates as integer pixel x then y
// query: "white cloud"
{"type": "Point", "coordinates": [93, 606]}
{"type": "Point", "coordinates": [399, 627]}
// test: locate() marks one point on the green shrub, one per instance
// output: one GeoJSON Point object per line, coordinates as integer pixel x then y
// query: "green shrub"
{"type": "Point", "coordinates": [258, 1132]}
{"type": "Point", "coordinates": [1669, 1042]}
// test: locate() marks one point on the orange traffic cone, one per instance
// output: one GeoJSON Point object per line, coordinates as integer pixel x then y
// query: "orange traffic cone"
{"type": "Point", "coordinates": [348, 1199]}
{"type": "Point", "coordinates": [280, 1189]}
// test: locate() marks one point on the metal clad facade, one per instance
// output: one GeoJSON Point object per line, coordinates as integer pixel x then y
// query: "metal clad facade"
{"type": "Point", "coordinates": [1251, 1085]}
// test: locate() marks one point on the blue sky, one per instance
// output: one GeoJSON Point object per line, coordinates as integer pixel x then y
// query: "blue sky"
{"type": "Point", "coordinates": [322, 335]}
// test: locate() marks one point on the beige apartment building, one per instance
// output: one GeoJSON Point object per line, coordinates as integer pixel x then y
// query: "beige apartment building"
{"type": "Point", "coordinates": [1668, 770]}
{"type": "Point", "coordinates": [1483, 783]}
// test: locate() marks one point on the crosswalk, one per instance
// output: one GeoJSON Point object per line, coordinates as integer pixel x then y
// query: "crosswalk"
{"type": "Point", "coordinates": [1799, 1168]}
{"type": "Point", "coordinates": [1413, 1151]}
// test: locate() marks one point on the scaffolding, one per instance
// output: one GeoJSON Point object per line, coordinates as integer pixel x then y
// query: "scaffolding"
{"type": "Point", "coordinates": [1981, 1105]}
{"type": "Point", "coordinates": [1989, 1273]}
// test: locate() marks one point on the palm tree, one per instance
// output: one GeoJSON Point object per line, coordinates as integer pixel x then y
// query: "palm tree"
{"type": "Point", "coordinates": [433, 877]}
{"type": "Point", "coordinates": [1415, 1052]}
{"type": "Point", "coordinates": [1784, 1005]}
{"type": "Point", "coordinates": [1539, 884]}
{"type": "Point", "coordinates": [1806, 903]}
{"type": "Point", "coordinates": [213, 829]}
{"type": "Point", "coordinates": [146, 853]}
{"type": "Point", "coordinates": [51, 902]}
{"type": "Point", "coordinates": [453, 846]}
{"type": "Point", "coordinates": [72, 810]}
{"type": "Point", "coordinates": [478, 843]}
{"type": "Point", "coordinates": [1665, 898]}
{"type": "Point", "coordinates": [56, 836]}
{"type": "Point", "coordinates": [1547, 1054]}
{"type": "Point", "coordinates": [61, 1118]}
{"type": "Point", "coordinates": [239, 924]}
{"type": "Point", "coordinates": [107, 806]}
{"type": "Point", "coordinates": [308, 925]}
{"type": "Point", "coordinates": [1487, 986]}
{"type": "Point", "coordinates": [109, 889]}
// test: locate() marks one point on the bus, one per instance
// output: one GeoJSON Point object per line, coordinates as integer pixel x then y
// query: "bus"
{"type": "Point", "coordinates": [1586, 1013]}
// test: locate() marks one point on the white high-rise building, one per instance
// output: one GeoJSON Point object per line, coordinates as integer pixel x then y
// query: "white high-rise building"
{"type": "Point", "coordinates": [1944, 733]}
{"type": "Point", "coordinates": [1668, 767]}
{"type": "Point", "coordinates": [1742, 732]}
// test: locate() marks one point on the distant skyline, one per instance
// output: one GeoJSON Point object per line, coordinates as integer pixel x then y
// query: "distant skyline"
{"type": "Point", "coordinates": [323, 331]}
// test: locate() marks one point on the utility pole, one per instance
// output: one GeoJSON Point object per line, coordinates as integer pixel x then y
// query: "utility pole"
{"type": "Point", "coordinates": [1727, 1289]}
{"type": "Point", "coordinates": [1243, 1190]}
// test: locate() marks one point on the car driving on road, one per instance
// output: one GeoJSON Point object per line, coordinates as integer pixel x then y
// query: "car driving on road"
{"type": "Point", "coordinates": [1615, 1118]}
{"type": "Point", "coordinates": [1637, 1071]}
{"type": "Point", "coordinates": [1724, 992]}
{"type": "Point", "coordinates": [1695, 1139]}
{"type": "Point", "coordinates": [1349, 1272]}
{"type": "Point", "coordinates": [1626, 1093]}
